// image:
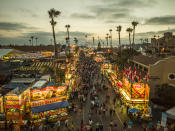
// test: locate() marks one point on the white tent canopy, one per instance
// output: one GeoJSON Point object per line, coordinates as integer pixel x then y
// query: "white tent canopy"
{"type": "Point", "coordinates": [171, 113]}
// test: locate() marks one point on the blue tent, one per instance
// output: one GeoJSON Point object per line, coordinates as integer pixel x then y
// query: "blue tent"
{"type": "Point", "coordinates": [133, 110]}
{"type": "Point", "coordinates": [48, 107]}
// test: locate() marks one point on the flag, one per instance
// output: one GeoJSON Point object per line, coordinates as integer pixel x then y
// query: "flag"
{"type": "Point", "coordinates": [130, 72]}
{"type": "Point", "coordinates": [131, 75]}
{"type": "Point", "coordinates": [147, 77]}
{"type": "Point", "coordinates": [127, 73]}
{"type": "Point", "coordinates": [140, 76]}
{"type": "Point", "coordinates": [134, 74]}
{"type": "Point", "coordinates": [134, 68]}
{"type": "Point", "coordinates": [124, 71]}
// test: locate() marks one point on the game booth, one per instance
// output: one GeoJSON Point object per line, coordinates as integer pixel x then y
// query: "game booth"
{"type": "Point", "coordinates": [135, 95]}
{"type": "Point", "coordinates": [49, 104]}
{"type": "Point", "coordinates": [16, 104]}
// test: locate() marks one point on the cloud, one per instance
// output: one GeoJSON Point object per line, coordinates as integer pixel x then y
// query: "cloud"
{"type": "Point", "coordinates": [82, 16]}
{"type": "Point", "coordinates": [110, 21]}
{"type": "Point", "coordinates": [162, 20]}
{"type": "Point", "coordinates": [10, 26]}
{"type": "Point", "coordinates": [119, 15]}
{"type": "Point", "coordinates": [152, 33]}
{"type": "Point", "coordinates": [27, 12]}
{"type": "Point", "coordinates": [136, 3]}
{"type": "Point", "coordinates": [109, 11]}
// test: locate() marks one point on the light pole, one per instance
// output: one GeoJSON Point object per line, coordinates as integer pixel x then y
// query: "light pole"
{"type": "Point", "coordinates": [107, 37]}
{"type": "Point", "coordinates": [110, 30]}
{"type": "Point", "coordinates": [93, 41]}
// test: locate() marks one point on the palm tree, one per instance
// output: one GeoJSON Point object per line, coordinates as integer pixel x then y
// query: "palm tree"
{"type": "Point", "coordinates": [119, 28]}
{"type": "Point", "coordinates": [146, 40]}
{"type": "Point", "coordinates": [30, 42]}
{"type": "Point", "coordinates": [141, 40]}
{"type": "Point", "coordinates": [86, 43]}
{"type": "Point", "coordinates": [129, 30]}
{"type": "Point", "coordinates": [67, 27]}
{"type": "Point", "coordinates": [32, 39]}
{"type": "Point", "coordinates": [53, 14]}
{"type": "Point", "coordinates": [110, 30]}
{"type": "Point", "coordinates": [36, 40]}
{"type": "Point", "coordinates": [75, 40]}
{"type": "Point", "coordinates": [107, 37]}
{"type": "Point", "coordinates": [134, 24]}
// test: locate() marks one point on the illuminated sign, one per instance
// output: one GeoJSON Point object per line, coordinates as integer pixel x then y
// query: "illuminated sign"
{"type": "Point", "coordinates": [127, 84]}
{"type": "Point", "coordinates": [138, 90]}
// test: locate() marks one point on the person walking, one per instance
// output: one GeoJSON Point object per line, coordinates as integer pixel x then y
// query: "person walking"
{"type": "Point", "coordinates": [72, 126]}
{"type": "Point", "coordinates": [41, 127]}
{"type": "Point", "coordinates": [111, 123]}
{"type": "Point", "coordinates": [124, 124]}
{"type": "Point", "coordinates": [82, 125]}
{"type": "Point", "coordinates": [110, 111]}
{"type": "Point", "coordinates": [97, 126]}
{"type": "Point", "coordinates": [90, 122]}
{"type": "Point", "coordinates": [101, 127]}
{"type": "Point", "coordinates": [114, 128]}
{"type": "Point", "coordinates": [11, 125]}
{"type": "Point", "coordinates": [66, 123]}
{"type": "Point", "coordinates": [104, 111]}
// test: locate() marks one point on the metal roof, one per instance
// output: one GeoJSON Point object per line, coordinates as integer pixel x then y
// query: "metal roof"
{"type": "Point", "coordinates": [4, 52]}
{"type": "Point", "coordinates": [39, 84]}
{"type": "Point", "coordinates": [146, 60]}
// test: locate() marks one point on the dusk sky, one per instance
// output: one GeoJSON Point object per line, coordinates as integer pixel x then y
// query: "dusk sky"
{"type": "Point", "coordinates": [20, 19]}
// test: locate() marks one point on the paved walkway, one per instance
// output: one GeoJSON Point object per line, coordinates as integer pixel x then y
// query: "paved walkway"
{"type": "Point", "coordinates": [118, 117]}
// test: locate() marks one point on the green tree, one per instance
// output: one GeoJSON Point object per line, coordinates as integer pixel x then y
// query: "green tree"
{"type": "Point", "coordinates": [32, 39]}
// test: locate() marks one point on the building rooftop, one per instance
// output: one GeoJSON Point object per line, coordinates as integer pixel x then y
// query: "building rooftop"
{"type": "Point", "coordinates": [23, 80]}
{"type": "Point", "coordinates": [4, 52]}
{"type": "Point", "coordinates": [17, 90]}
{"type": "Point", "coordinates": [14, 85]}
{"type": "Point", "coordinates": [39, 84]}
{"type": "Point", "coordinates": [146, 60]}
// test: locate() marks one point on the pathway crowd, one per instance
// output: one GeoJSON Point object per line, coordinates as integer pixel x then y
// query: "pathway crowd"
{"type": "Point", "coordinates": [91, 108]}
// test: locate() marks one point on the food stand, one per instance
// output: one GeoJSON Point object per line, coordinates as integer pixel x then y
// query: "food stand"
{"type": "Point", "coordinates": [49, 103]}
{"type": "Point", "coordinates": [135, 95]}
{"type": "Point", "coordinates": [16, 104]}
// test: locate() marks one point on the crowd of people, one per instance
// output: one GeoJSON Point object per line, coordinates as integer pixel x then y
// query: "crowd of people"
{"type": "Point", "coordinates": [92, 87]}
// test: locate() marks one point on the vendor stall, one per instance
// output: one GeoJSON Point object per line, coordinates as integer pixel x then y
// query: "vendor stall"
{"type": "Point", "coordinates": [17, 104]}
{"type": "Point", "coordinates": [135, 95]}
{"type": "Point", "coordinates": [49, 104]}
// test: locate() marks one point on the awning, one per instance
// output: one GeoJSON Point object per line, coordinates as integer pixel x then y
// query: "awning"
{"type": "Point", "coordinates": [48, 107]}
{"type": "Point", "coordinates": [171, 113]}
